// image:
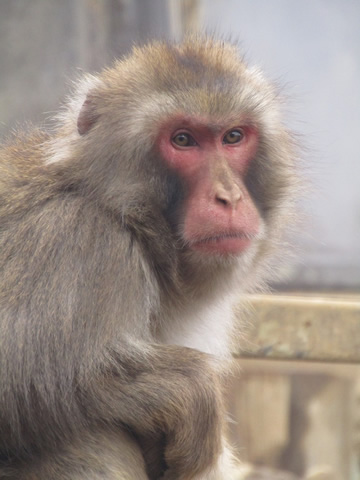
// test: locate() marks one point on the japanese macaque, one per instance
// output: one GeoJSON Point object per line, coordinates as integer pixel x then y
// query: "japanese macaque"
{"type": "Point", "coordinates": [124, 234]}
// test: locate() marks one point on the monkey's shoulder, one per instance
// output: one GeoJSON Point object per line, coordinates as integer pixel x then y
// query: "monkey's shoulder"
{"type": "Point", "coordinates": [63, 225]}
{"type": "Point", "coordinates": [62, 244]}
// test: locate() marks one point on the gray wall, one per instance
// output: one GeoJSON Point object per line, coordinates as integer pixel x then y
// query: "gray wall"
{"type": "Point", "coordinates": [45, 44]}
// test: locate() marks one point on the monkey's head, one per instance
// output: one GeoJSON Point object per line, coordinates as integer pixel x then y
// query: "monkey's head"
{"type": "Point", "coordinates": [193, 132]}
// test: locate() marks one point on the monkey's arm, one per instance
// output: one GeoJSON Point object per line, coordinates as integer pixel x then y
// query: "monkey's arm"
{"type": "Point", "coordinates": [168, 394]}
{"type": "Point", "coordinates": [76, 300]}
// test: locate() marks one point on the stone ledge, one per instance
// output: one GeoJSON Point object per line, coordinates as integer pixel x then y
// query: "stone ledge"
{"type": "Point", "coordinates": [303, 327]}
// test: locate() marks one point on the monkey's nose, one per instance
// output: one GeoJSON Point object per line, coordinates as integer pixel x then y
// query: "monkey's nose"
{"type": "Point", "coordinates": [228, 197]}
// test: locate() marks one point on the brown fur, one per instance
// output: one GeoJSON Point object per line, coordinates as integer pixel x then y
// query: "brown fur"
{"type": "Point", "coordinates": [93, 273]}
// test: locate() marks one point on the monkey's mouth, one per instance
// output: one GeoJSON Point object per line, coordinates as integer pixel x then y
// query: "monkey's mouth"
{"type": "Point", "coordinates": [225, 243]}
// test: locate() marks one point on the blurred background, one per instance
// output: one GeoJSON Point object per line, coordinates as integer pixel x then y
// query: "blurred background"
{"type": "Point", "coordinates": [312, 51]}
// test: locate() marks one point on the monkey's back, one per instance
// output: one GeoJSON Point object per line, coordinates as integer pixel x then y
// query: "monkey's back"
{"type": "Point", "coordinates": [23, 180]}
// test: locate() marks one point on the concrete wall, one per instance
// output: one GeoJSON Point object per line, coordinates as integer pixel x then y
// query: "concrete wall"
{"type": "Point", "coordinates": [45, 44]}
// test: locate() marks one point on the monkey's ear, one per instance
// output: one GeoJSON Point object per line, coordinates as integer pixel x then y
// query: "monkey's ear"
{"type": "Point", "coordinates": [87, 116]}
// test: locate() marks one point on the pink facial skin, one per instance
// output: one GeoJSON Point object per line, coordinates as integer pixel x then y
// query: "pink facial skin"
{"type": "Point", "coordinates": [219, 216]}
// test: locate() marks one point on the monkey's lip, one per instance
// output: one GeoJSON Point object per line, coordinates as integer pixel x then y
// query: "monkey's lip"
{"type": "Point", "coordinates": [225, 243]}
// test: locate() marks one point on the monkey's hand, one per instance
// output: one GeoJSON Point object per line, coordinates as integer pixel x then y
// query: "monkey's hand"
{"type": "Point", "coordinates": [192, 415]}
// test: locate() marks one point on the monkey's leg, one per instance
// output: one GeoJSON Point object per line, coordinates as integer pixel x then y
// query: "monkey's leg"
{"type": "Point", "coordinates": [106, 455]}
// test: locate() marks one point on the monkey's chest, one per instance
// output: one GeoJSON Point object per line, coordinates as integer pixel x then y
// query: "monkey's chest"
{"type": "Point", "coordinates": [204, 327]}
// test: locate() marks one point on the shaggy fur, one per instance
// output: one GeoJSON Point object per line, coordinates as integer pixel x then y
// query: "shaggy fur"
{"type": "Point", "coordinates": [99, 298]}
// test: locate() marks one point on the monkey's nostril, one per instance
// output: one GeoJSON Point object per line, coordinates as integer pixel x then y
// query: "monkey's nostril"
{"type": "Point", "coordinates": [228, 197]}
{"type": "Point", "coordinates": [223, 201]}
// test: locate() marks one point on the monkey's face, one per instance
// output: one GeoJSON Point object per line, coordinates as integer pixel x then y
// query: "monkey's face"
{"type": "Point", "coordinates": [218, 216]}
{"type": "Point", "coordinates": [214, 124]}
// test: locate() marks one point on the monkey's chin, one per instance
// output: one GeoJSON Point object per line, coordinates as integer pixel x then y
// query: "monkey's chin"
{"type": "Point", "coordinates": [223, 245]}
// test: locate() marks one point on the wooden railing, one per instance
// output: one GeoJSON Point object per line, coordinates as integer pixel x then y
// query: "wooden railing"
{"type": "Point", "coordinates": [296, 400]}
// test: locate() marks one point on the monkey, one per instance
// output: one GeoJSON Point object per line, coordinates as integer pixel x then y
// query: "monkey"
{"type": "Point", "coordinates": [127, 230]}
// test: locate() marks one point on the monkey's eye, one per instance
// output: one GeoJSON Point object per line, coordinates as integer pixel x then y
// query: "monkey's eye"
{"type": "Point", "coordinates": [234, 136]}
{"type": "Point", "coordinates": [184, 140]}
